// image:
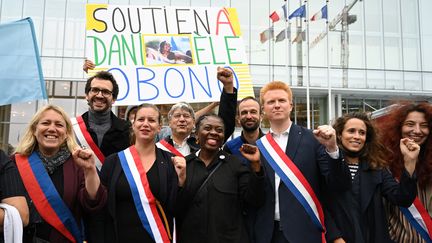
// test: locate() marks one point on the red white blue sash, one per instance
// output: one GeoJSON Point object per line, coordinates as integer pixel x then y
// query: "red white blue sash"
{"type": "Point", "coordinates": [45, 197]}
{"type": "Point", "coordinates": [144, 200]}
{"type": "Point", "coordinates": [164, 145]}
{"type": "Point", "coordinates": [84, 139]}
{"type": "Point", "coordinates": [419, 218]}
{"type": "Point", "coordinates": [292, 178]}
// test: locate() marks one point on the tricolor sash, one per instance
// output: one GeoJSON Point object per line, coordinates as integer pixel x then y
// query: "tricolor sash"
{"type": "Point", "coordinates": [45, 197]}
{"type": "Point", "coordinates": [164, 145]}
{"type": "Point", "coordinates": [292, 177]}
{"type": "Point", "coordinates": [84, 139]}
{"type": "Point", "coordinates": [144, 200]}
{"type": "Point", "coordinates": [419, 218]}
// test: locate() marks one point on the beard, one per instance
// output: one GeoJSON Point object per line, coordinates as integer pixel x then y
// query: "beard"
{"type": "Point", "coordinates": [250, 128]}
{"type": "Point", "coordinates": [95, 99]}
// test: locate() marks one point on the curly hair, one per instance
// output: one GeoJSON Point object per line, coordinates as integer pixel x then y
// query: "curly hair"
{"type": "Point", "coordinates": [373, 151]}
{"type": "Point", "coordinates": [390, 126]}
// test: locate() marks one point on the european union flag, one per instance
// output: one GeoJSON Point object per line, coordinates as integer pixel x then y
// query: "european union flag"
{"type": "Point", "coordinates": [300, 12]}
{"type": "Point", "coordinates": [21, 77]}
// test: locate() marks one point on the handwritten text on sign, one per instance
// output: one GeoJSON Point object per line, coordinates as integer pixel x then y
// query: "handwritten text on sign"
{"type": "Point", "coordinates": [167, 54]}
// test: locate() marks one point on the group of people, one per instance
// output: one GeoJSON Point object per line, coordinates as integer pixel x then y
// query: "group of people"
{"type": "Point", "coordinates": [99, 178]}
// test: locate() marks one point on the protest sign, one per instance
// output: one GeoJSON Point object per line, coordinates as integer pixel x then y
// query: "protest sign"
{"type": "Point", "coordinates": [165, 55]}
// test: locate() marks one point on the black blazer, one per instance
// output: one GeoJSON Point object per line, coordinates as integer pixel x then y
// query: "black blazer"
{"type": "Point", "coordinates": [116, 139]}
{"type": "Point", "coordinates": [168, 186]}
{"type": "Point", "coordinates": [374, 185]}
{"type": "Point", "coordinates": [214, 214]}
{"type": "Point", "coordinates": [319, 169]}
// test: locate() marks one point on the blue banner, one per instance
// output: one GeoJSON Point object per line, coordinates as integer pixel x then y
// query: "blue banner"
{"type": "Point", "coordinates": [21, 77]}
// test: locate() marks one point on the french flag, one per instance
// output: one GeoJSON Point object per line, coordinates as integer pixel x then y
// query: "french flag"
{"type": "Point", "coordinates": [278, 14]}
{"type": "Point", "coordinates": [322, 14]}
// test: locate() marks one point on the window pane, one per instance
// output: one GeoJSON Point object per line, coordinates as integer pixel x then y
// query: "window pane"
{"type": "Point", "coordinates": [54, 24]}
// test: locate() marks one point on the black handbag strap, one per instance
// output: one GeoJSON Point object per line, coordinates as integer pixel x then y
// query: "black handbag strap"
{"type": "Point", "coordinates": [207, 179]}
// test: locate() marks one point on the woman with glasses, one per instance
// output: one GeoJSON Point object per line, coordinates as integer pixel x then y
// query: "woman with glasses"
{"type": "Point", "coordinates": [142, 183]}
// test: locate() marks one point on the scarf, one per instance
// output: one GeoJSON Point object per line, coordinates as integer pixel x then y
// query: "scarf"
{"type": "Point", "coordinates": [51, 164]}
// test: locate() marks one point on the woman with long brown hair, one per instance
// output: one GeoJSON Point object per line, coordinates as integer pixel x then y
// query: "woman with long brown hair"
{"type": "Point", "coordinates": [358, 213]}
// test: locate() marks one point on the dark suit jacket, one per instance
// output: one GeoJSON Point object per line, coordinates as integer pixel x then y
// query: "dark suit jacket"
{"type": "Point", "coordinates": [168, 182]}
{"type": "Point", "coordinates": [319, 169]}
{"type": "Point", "coordinates": [374, 185]}
{"type": "Point", "coordinates": [116, 139]}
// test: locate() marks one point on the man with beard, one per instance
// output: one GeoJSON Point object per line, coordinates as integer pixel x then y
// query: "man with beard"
{"type": "Point", "coordinates": [181, 118]}
{"type": "Point", "coordinates": [249, 116]}
{"type": "Point", "coordinates": [102, 131]}
{"type": "Point", "coordinates": [99, 128]}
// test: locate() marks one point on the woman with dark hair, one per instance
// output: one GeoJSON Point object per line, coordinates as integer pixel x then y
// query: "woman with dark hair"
{"type": "Point", "coordinates": [218, 186]}
{"type": "Point", "coordinates": [142, 183]}
{"type": "Point", "coordinates": [358, 213]}
{"type": "Point", "coordinates": [410, 121]}
{"type": "Point", "coordinates": [173, 56]}
{"type": "Point", "coordinates": [165, 51]}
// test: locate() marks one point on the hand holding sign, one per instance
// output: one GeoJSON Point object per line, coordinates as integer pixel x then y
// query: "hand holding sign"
{"type": "Point", "coordinates": [225, 75]}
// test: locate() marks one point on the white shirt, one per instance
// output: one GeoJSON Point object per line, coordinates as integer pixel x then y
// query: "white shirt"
{"type": "Point", "coordinates": [183, 148]}
{"type": "Point", "coordinates": [282, 140]}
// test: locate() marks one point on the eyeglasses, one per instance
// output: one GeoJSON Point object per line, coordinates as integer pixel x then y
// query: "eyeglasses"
{"type": "Point", "coordinates": [178, 115]}
{"type": "Point", "coordinates": [105, 92]}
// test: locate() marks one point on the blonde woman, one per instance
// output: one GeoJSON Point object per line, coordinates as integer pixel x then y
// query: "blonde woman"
{"type": "Point", "coordinates": [60, 178]}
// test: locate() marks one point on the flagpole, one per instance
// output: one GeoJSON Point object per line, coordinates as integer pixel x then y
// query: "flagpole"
{"type": "Point", "coordinates": [330, 100]}
{"type": "Point", "coordinates": [272, 43]}
{"type": "Point", "coordinates": [288, 38]}
{"type": "Point", "coordinates": [308, 116]}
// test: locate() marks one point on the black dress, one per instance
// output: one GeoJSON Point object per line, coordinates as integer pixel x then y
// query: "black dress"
{"type": "Point", "coordinates": [129, 225]}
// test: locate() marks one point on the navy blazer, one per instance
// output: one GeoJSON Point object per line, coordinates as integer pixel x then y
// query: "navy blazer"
{"type": "Point", "coordinates": [319, 169]}
{"type": "Point", "coordinates": [374, 186]}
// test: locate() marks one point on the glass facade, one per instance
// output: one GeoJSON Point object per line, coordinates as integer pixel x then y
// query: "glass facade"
{"type": "Point", "coordinates": [379, 51]}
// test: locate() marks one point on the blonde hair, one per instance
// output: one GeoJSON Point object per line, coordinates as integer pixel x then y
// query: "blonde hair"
{"type": "Point", "coordinates": [28, 142]}
{"type": "Point", "coordinates": [275, 85]}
